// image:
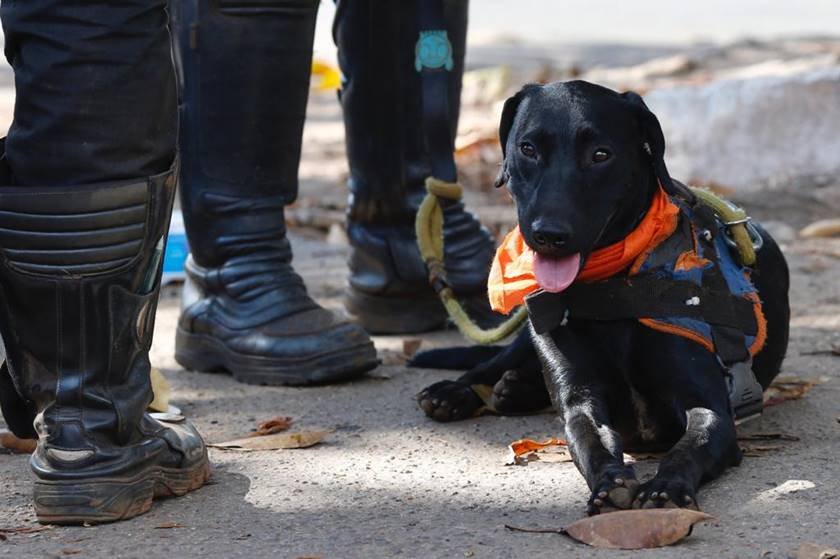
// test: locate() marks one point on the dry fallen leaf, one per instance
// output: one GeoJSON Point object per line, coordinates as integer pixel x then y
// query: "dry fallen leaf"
{"type": "Point", "coordinates": [787, 388]}
{"type": "Point", "coordinates": [277, 441]}
{"type": "Point", "coordinates": [168, 525]}
{"type": "Point", "coordinates": [767, 437]}
{"type": "Point", "coordinates": [821, 228]}
{"type": "Point", "coordinates": [758, 450]}
{"type": "Point", "coordinates": [754, 444]}
{"type": "Point", "coordinates": [523, 450]}
{"type": "Point", "coordinates": [485, 393]}
{"type": "Point", "coordinates": [411, 346]}
{"type": "Point", "coordinates": [19, 446]}
{"type": "Point", "coordinates": [833, 350]}
{"type": "Point", "coordinates": [636, 529]}
{"type": "Point", "coordinates": [25, 530]}
{"type": "Point", "coordinates": [271, 426]}
{"type": "Point", "coordinates": [161, 391]}
{"type": "Point", "coordinates": [814, 551]}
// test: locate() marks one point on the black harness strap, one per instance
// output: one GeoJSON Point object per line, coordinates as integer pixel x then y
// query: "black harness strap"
{"type": "Point", "coordinates": [745, 392]}
{"type": "Point", "coordinates": [641, 296]}
{"type": "Point", "coordinates": [729, 340]}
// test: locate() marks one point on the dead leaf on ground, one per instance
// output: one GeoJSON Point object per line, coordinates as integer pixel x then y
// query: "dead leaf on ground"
{"type": "Point", "coordinates": [636, 529]}
{"type": "Point", "coordinates": [755, 444]}
{"type": "Point", "coordinates": [758, 450]}
{"type": "Point", "coordinates": [787, 388]}
{"type": "Point", "coordinates": [278, 441]}
{"type": "Point", "coordinates": [169, 525]}
{"type": "Point", "coordinates": [834, 350]}
{"type": "Point", "coordinates": [378, 374]}
{"type": "Point", "coordinates": [521, 451]}
{"type": "Point", "coordinates": [411, 346]}
{"type": "Point", "coordinates": [161, 390]}
{"type": "Point", "coordinates": [271, 426]}
{"type": "Point", "coordinates": [822, 228]}
{"type": "Point", "coordinates": [25, 530]}
{"type": "Point", "coordinates": [814, 551]}
{"type": "Point", "coordinates": [767, 437]}
{"type": "Point", "coordinates": [17, 445]}
{"type": "Point", "coordinates": [640, 456]}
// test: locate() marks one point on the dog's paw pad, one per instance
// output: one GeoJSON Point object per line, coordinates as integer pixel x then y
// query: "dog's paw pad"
{"type": "Point", "coordinates": [668, 494]}
{"type": "Point", "coordinates": [518, 393]}
{"type": "Point", "coordinates": [449, 401]}
{"type": "Point", "coordinates": [614, 492]}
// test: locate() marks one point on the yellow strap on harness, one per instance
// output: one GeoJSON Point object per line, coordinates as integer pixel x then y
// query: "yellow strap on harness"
{"type": "Point", "coordinates": [735, 220]}
{"type": "Point", "coordinates": [429, 229]}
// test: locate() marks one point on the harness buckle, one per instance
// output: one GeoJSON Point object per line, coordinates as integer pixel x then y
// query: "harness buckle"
{"type": "Point", "coordinates": [746, 396]}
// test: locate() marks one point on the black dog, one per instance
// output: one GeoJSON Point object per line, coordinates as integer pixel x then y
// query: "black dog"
{"type": "Point", "coordinates": [583, 164]}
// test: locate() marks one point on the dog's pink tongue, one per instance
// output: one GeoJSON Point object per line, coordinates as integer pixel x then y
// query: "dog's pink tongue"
{"type": "Point", "coordinates": [556, 274]}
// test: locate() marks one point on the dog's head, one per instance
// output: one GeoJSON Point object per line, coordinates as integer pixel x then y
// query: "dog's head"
{"type": "Point", "coordinates": [581, 162]}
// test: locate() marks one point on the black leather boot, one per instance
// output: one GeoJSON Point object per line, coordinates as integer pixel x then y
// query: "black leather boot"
{"type": "Point", "coordinates": [389, 162]}
{"type": "Point", "coordinates": [79, 279]}
{"type": "Point", "coordinates": [244, 68]}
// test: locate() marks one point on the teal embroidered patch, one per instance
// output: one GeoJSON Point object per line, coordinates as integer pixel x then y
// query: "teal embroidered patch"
{"type": "Point", "coordinates": [433, 51]}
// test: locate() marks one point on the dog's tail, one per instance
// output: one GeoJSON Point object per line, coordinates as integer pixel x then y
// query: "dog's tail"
{"type": "Point", "coordinates": [455, 358]}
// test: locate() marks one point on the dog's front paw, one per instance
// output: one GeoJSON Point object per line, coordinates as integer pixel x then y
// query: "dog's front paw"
{"type": "Point", "coordinates": [615, 490]}
{"type": "Point", "coordinates": [666, 493]}
{"type": "Point", "coordinates": [449, 400]}
{"type": "Point", "coordinates": [520, 393]}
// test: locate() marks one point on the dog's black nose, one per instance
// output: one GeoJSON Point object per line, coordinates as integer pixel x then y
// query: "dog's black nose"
{"type": "Point", "coordinates": [549, 236]}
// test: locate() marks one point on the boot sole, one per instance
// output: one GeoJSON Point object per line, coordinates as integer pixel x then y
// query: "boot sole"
{"type": "Point", "coordinates": [197, 352]}
{"type": "Point", "coordinates": [109, 499]}
{"type": "Point", "coordinates": [396, 315]}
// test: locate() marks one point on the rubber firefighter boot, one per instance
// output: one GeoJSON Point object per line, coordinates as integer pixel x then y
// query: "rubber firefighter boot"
{"type": "Point", "coordinates": [244, 71]}
{"type": "Point", "coordinates": [79, 281]}
{"type": "Point", "coordinates": [389, 162]}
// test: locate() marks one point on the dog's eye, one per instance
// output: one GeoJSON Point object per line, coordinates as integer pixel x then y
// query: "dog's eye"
{"type": "Point", "coordinates": [600, 156]}
{"type": "Point", "coordinates": [528, 150]}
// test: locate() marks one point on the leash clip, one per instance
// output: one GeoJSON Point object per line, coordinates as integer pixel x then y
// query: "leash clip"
{"type": "Point", "coordinates": [755, 237]}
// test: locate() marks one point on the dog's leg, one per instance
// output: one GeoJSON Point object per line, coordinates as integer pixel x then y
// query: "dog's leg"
{"type": "Point", "coordinates": [690, 392]}
{"type": "Point", "coordinates": [598, 453]}
{"type": "Point", "coordinates": [512, 379]}
{"type": "Point", "coordinates": [579, 384]}
{"type": "Point", "coordinates": [707, 448]}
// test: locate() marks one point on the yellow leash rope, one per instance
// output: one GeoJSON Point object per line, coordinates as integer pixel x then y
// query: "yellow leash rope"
{"type": "Point", "coordinates": [429, 228]}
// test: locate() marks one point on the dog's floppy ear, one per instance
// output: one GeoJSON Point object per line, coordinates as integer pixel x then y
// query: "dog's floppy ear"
{"type": "Point", "coordinates": [506, 123]}
{"type": "Point", "coordinates": [654, 145]}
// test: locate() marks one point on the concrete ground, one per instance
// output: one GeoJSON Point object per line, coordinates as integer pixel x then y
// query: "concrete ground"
{"type": "Point", "coordinates": [389, 482]}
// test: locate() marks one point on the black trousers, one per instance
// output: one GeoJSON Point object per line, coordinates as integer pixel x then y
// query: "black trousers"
{"type": "Point", "coordinates": [96, 94]}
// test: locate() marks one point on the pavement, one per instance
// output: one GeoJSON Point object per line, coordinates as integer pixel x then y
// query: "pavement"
{"type": "Point", "coordinates": [388, 482]}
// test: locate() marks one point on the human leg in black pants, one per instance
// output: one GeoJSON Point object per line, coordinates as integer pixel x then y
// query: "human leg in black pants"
{"type": "Point", "coordinates": [387, 134]}
{"type": "Point", "coordinates": [245, 68]}
{"type": "Point", "coordinates": [85, 197]}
